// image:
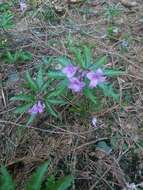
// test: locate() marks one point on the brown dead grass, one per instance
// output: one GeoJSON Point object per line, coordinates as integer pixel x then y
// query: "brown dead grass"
{"type": "Point", "coordinates": [71, 146]}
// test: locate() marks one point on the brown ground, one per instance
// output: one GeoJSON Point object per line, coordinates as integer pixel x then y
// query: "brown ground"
{"type": "Point", "coordinates": [71, 145]}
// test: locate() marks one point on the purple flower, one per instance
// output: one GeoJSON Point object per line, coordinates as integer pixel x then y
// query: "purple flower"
{"type": "Point", "coordinates": [95, 78]}
{"type": "Point", "coordinates": [76, 85]}
{"type": "Point", "coordinates": [94, 122]}
{"type": "Point", "coordinates": [23, 5]}
{"type": "Point", "coordinates": [69, 70]}
{"type": "Point", "coordinates": [37, 108]}
{"type": "Point", "coordinates": [81, 73]}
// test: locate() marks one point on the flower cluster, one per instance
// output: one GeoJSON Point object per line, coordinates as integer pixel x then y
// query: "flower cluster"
{"type": "Point", "coordinates": [37, 108]}
{"type": "Point", "coordinates": [22, 5]}
{"type": "Point", "coordinates": [76, 77]}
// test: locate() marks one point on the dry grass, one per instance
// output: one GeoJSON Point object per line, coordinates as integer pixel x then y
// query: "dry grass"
{"type": "Point", "coordinates": [71, 145]}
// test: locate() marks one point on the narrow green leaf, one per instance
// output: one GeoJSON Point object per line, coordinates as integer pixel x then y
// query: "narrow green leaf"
{"type": "Point", "coordinates": [62, 184]}
{"type": "Point", "coordinates": [6, 182]}
{"type": "Point", "coordinates": [15, 56]}
{"type": "Point", "coordinates": [31, 82]}
{"type": "Point", "coordinates": [88, 93]}
{"type": "Point", "coordinates": [57, 102]}
{"type": "Point", "coordinates": [108, 91]}
{"type": "Point", "coordinates": [56, 75]}
{"type": "Point", "coordinates": [87, 56]}
{"type": "Point", "coordinates": [50, 182]}
{"type": "Point", "coordinates": [37, 178]}
{"type": "Point", "coordinates": [23, 97]}
{"type": "Point", "coordinates": [111, 72]}
{"type": "Point", "coordinates": [9, 56]}
{"type": "Point", "coordinates": [78, 57]}
{"type": "Point", "coordinates": [39, 79]}
{"type": "Point", "coordinates": [47, 60]}
{"type": "Point", "coordinates": [23, 108]}
{"type": "Point", "coordinates": [64, 61]}
{"type": "Point", "coordinates": [60, 90]}
{"type": "Point", "coordinates": [45, 85]}
{"type": "Point", "coordinates": [25, 56]}
{"type": "Point", "coordinates": [51, 110]}
{"type": "Point", "coordinates": [4, 7]}
{"type": "Point", "coordinates": [31, 119]}
{"type": "Point", "coordinates": [101, 61]}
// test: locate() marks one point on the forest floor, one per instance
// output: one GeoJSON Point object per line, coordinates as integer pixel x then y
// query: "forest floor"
{"type": "Point", "coordinates": [73, 145]}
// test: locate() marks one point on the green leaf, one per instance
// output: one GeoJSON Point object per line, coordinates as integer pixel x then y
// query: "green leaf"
{"type": "Point", "coordinates": [23, 97]}
{"type": "Point", "coordinates": [58, 91]}
{"type": "Point", "coordinates": [62, 184]}
{"type": "Point", "coordinates": [6, 21]}
{"type": "Point", "coordinates": [57, 102]}
{"type": "Point", "coordinates": [45, 85]}
{"type": "Point", "coordinates": [31, 119]}
{"type": "Point", "coordinates": [108, 91]}
{"type": "Point", "coordinates": [78, 57]}
{"type": "Point", "coordinates": [111, 72]}
{"type": "Point", "coordinates": [87, 56]}
{"type": "Point", "coordinates": [4, 7]}
{"type": "Point", "coordinates": [88, 93]}
{"type": "Point", "coordinates": [51, 110]}
{"type": "Point", "coordinates": [16, 56]}
{"type": "Point", "coordinates": [6, 182]}
{"type": "Point", "coordinates": [102, 145]}
{"type": "Point", "coordinates": [39, 79]}
{"type": "Point", "coordinates": [23, 108]}
{"type": "Point", "coordinates": [37, 178]}
{"type": "Point", "coordinates": [50, 182]}
{"type": "Point", "coordinates": [24, 56]}
{"type": "Point", "coordinates": [47, 60]}
{"type": "Point", "coordinates": [64, 61]}
{"type": "Point", "coordinates": [101, 61]}
{"type": "Point", "coordinates": [9, 56]}
{"type": "Point", "coordinates": [56, 75]}
{"type": "Point", "coordinates": [31, 82]}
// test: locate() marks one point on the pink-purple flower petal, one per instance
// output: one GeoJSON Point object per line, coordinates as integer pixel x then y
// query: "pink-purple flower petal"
{"type": "Point", "coordinates": [69, 70]}
{"type": "Point", "coordinates": [90, 75]}
{"type": "Point", "coordinates": [95, 77]}
{"type": "Point", "coordinates": [76, 85]}
{"type": "Point", "coordinates": [37, 108]}
{"type": "Point", "coordinates": [23, 5]}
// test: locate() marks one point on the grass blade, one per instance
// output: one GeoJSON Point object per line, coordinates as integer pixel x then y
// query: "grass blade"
{"type": "Point", "coordinates": [37, 178]}
{"type": "Point", "coordinates": [6, 182]}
